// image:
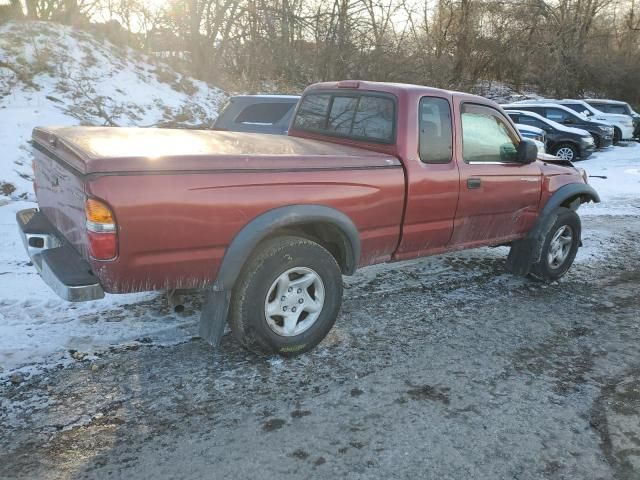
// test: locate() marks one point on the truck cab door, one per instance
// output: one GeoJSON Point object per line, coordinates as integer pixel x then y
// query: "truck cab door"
{"type": "Point", "coordinates": [432, 180]}
{"type": "Point", "coordinates": [499, 196]}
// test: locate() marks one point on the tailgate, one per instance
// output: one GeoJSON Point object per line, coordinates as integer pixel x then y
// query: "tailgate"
{"type": "Point", "coordinates": [60, 193]}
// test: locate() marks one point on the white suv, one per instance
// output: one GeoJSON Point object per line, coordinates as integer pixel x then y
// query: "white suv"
{"type": "Point", "coordinates": [622, 124]}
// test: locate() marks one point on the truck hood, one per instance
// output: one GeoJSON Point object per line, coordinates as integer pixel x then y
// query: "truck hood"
{"type": "Point", "coordinates": [551, 166]}
{"type": "Point", "coordinates": [96, 150]}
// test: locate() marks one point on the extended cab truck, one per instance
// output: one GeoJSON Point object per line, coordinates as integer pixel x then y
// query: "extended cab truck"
{"type": "Point", "coordinates": [369, 173]}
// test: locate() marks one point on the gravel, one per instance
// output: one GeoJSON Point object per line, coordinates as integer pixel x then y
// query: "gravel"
{"type": "Point", "coordinates": [445, 367]}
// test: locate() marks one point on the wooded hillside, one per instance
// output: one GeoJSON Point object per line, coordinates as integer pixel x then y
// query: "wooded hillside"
{"type": "Point", "coordinates": [562, 48]}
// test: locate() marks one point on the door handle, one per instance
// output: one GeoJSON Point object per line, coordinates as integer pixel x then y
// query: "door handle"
{"type": "Point", "coordinates": [473, 183]}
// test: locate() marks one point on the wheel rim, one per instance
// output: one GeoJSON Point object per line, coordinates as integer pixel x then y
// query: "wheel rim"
{"type": "Point", "coordinates": [294, 301]}
{"type": "Point", "coordinates": [560, 246]}
{"type": "Point", "coordinates": [565, 153]}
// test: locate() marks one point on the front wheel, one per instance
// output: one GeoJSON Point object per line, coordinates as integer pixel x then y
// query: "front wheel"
{"type": "Point", "coordinates": [566, 151]}
{"type": "Point", "coordinates": [287, 297]}
{"type": "Point", "coordinates": [617, 135]}
{"type": "Point", "coordinates": [559, 247]}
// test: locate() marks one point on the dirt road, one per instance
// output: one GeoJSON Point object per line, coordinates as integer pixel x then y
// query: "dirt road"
{"type": "Point", "coordinates": [444, 368]}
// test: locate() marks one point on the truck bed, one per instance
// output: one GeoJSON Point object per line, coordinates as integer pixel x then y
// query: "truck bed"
{"type": "Point", "coordinates": [180, 196]}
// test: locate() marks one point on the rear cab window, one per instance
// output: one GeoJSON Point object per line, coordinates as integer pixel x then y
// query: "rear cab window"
{"type": "Point", "coordinates": [362, 116]}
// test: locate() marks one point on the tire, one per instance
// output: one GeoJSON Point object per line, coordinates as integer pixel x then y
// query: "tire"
{"type": "Point", "coordinates": [566, 151]}
{"type": "Point", "coordinates": [266, 289]}
{"type": "Point", "coordinates": [559, 246]}
{"type": "Point", "coordinates": [617, 135]}
{"type": "Point", "coordinates": [597, 141]}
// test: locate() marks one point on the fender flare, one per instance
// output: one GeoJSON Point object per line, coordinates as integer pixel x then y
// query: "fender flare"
{"type": "Point", "coordinates": [248, 238]}
{"type": "Point", "coordinates": [524, 253]}
{"type": "Point", "coordinates": [215, 310]}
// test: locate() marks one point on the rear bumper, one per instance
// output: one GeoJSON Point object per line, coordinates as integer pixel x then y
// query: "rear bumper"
{"type": "Point", "coordinates": [59, 264]}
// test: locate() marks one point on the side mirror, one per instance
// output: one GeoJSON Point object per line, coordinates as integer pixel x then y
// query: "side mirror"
{"type": "Point", "coordinates": [569, 121]}
{"type": "Point", "coordinates": [527, 151]}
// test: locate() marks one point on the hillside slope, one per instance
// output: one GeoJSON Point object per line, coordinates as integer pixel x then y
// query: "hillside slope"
{"type": "Point", "coordinates": [52, 74]}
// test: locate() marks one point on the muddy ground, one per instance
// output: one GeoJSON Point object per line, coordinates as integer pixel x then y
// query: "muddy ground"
{"type": "Point", "coordinates": [443, 368]}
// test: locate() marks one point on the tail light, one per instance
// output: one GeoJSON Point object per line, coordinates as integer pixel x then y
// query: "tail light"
{"type": "Point", "coordinates": [101, 230]}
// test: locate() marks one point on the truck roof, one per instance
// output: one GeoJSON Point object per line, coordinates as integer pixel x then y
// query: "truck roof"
{"type": "Point", "coordinates": [397, 89]}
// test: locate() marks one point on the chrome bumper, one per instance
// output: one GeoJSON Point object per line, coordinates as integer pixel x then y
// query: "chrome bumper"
{"type": "Point", "coordinates": [59, 264]}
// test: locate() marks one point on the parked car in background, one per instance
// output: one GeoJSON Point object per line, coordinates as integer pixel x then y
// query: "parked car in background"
{"type": "Point", "coordinates": [257, 114]}
{"type": "Point", "coordinates": [602, 133]}
{"type": "Point", "coordinates": [622, 124]}
{"type": "Point", "coordinates": [368, 173]}
{"type": "Point", "coordinates": [565, 142]}
{"type": "Point", "coordinates": [617, 106]}
{"type": "Point", "coordinates": [535, 134]}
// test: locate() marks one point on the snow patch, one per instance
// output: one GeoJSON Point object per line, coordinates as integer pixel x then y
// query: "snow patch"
{"type": "Point", "coordinates": [58, 75]}
{"type": "Point", "coordinates": [615, 174]}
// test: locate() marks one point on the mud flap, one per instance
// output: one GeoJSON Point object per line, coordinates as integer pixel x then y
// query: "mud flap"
{"type": "Point", "coordinates": [519, 259]}
{"type": "Point", "coordinates": [213, 317]}
{"type": "Point", "coordinates": [524, 253]}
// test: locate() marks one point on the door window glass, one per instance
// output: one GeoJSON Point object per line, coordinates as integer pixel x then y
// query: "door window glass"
{"type": "Point", "coordinates": [558, 115]}
{"type": "Point", "coordinates": [619, 109]}
{"type": "Point", "coordinates": [534, 122]}
{"type": "Point", "coordinates": [486, 136]}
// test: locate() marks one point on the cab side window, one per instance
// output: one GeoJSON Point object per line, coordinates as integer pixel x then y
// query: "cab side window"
{"type": "Point", "coordinates": [436, 131]}
{"type": "Point", "coordinates": [558, 115]}
{"type": "Point", "coordinates": [486, 136]}
{"type": "Point", "coordinates": [534, 122]}
{"type": "Point", "coordinates": [619, 109]}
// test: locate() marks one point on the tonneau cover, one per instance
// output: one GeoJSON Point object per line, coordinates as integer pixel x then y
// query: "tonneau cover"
{"type": "Point", "coordinates": [95, 150]}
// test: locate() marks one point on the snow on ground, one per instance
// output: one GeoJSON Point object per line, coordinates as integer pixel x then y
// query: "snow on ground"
{"type": "Point", "coordinates": [620, 189]}
{"type": "Point", "coordinates": [37, 327]}
{"type": "Point", "coordinates": [57, 75]}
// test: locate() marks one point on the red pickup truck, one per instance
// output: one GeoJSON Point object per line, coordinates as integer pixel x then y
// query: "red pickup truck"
{"type": "Point", "coordinates": [368, 173]}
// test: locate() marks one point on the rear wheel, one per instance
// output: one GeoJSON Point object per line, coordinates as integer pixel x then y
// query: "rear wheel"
{"type": "Point", "coordinates": [287, 297]}
{"type": "Point", "coordinates": [559, 247]}
{"type": "Point", "coordinates": [566, 151]}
